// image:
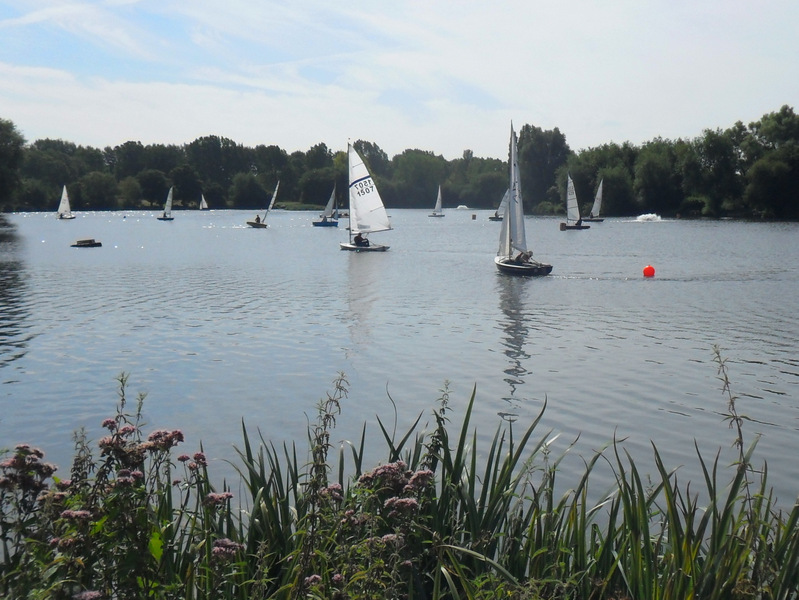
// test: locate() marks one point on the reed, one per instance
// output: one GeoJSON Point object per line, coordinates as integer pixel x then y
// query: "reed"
{"type": "Point", "coordinates": [436, 518]}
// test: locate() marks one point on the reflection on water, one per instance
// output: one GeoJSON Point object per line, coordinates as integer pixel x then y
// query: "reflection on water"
{"type": "Point", "coordinates": [14, 313]}
{"type": "Point", "coordinates": [363, 270]}
{"type": "Point", "coordinates": [514, 326]}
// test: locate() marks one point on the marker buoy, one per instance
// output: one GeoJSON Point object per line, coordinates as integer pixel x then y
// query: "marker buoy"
{"type": "Point", "coordinates": [649, 271]}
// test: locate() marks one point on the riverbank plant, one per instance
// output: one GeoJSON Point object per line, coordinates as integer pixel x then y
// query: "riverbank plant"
{"type": "Point", "coordinates": [437, 517]}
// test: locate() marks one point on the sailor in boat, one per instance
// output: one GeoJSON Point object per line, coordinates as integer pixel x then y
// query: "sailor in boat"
{"type": "Point", "coordinates": [257, 218]}
{"type": "Point", "coordinates": [523, 258]}
{"type": "Point", "coordinates": [360, 240]}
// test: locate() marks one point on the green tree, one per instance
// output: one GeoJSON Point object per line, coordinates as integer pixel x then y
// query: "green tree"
{"type": "Point", "coordinates": [657, 185]}
{"type": "Point", "coordinates": [246, 192]}
{"type": "Point", "coordinates": [154, 185]}
{"type": "Point", "coordinates": [374, 157]}
{"type": "Point", "coordinates": [773, 184]}
{"type": "Point", "coordinates": [98, 191]}
{"type": "Point", "coordinates": [130, 193]}
{"type": "Point", "coordinates": [11, 145]}
{"type": "Point", "coordinates": [188, 186]}
{"type": "Point", "coordinates": [417, 175]}
{"type": "Point", "coordinates": [128, 159]}
{"type": "Point", "coordinates": [218, 159]}
{"type": "Point", "coordinates": [541, 154]}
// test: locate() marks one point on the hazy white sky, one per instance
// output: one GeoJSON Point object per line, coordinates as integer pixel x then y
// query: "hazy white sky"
{"type": "Point", "coordinates": [438, 75]}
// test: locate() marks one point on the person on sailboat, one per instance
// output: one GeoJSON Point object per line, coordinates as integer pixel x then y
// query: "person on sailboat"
{"type": "Point", "coordinates": [360, 240]}
{"type": "Point", "coordinates": [257, 218]}
{"type": "Point", "coordinates": [524, 257]}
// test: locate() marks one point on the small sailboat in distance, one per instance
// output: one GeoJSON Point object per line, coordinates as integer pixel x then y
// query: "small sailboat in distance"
{"type": "Point", "coordinates": [329, 217]}
{"type": "Point", "coordinates": [203, 203]}
{"type": "Point", "coordinates": [261, 224]}
{"type": "Point", "coordinates": [167, 214]}
{"type": "Point", "coordinates": [593, 216]}
{"type": "Point", "coordinates": [500, 212]}
{"type": "Point", "coordinates": [437, 212]}
{"type": "Point", "coordinates": [367, 213]}
{"type": "Point", "coordinates": [573, 220]}
{"type": "Point", "coordinates": [64, 210]}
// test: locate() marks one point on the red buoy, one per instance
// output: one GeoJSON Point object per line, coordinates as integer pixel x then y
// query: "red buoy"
{"type": "Point", "coordinates": [649, 271]}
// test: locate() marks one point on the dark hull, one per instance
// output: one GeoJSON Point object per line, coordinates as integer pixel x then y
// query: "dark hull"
{"type": "Point", "coordinates": [594, 219]}
{"type": "Point", "coordinates": [87, 244]}
{"type": "Point", "coordinates": [325, 223]}
{"type": "Point", "coordinates": [166, 218]}
{"type": "Point", "coordinates": [529, 269]}
{"type": "Point", "coordinates": [436, 215]}
{"type": "Point", "coordinates": [255, 225]}
{"type": "Point", "coordinates": [494, 218]}
{"type": "Point", "coordinates": [564, 227]}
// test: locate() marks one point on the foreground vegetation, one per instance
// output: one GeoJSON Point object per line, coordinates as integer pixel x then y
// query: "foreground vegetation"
{"type": "Point", "coordinates": [749, 171]}
{"type": "Point", "coordinates": [439, 518]}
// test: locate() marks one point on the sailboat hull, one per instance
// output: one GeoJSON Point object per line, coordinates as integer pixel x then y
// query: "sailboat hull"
{"type": "Point", "coordinates": [495, 218]}
{"type": "Point", "coordinates": [436, 215]}
{"type": "Point", "coordinates": [256, 225]}
{"type": "Point", "coordinates": [328, 223]}
{"type": "Point", "coordinates": [593, 219]}
{"type": "Point", "coordinates": [527, 269]}
{"type": "Point", "coordinates": [565, 227]}
{"type": "Point", "coordinates": [369, 248]}
{"type": "Point", "coordinates": [166, 218]}
{"type": "Point", "coordinates": [66, 217]}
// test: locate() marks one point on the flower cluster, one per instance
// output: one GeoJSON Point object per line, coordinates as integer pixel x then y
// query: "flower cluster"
{"type": "Point", "coordinates": [25, 471]}
{"type": "Point", "coordinates": [215, 499]}
{"type": "Point", "coordinates": [225, 550]}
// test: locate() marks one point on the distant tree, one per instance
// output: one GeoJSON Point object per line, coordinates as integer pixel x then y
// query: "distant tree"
{"type": "Point", "coordinates": [541, 154]}
{"type": "Point", "coordinates": [657, 183]}
{"type": "Point", "coordinates": [315, 185]}
{"type": "Point", "coordinates": [375, 158]}
{"type": "Point", "coordinates": [11, 145]}
{"type": "Point", "coordinates": [318, 157]}
{"type": "Point", "coordinates": [130, 193]}
{"type": "Point", "coordinates": [154, 185]}
{"type": "Point", "coordinates": [269, 160]}
{"type": "Point", "coordinates": [164, 158]}
{"type": "Point", "coordinates": [98, 191]}
{"type": "Point", "coordinates": [188, 186]}
{"type": "Point", "coordinates": [218, 159]}
{"type": "Point", "coordinates": [246, 192]}
{"type": "Point", "coordinates": [773, 188]}
{"type": "Point", "coordinates": [128, 160]}
{"type": "Point", "coordinates": [417, 175]}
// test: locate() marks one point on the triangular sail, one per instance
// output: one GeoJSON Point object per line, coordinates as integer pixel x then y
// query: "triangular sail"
{"type": "Point", "coordinates": [597, 201]}
{"type": "Point", "coordinates": [203, 203]}
{"type": "Point", "coordinates": [502, 204]}
{"type": "Point", "coordinates": [512, 236]}
{"type": "Point", "coordinates": [64, 211]}
{"type": "Point", "coordinates": [331, 204]}
{"type": "Point", "coordinates": [168, 204]}
{"type": "Point", "coordinates": [572, 208]}
{"type": "Point", "coordinates": [437, 209]}
{"type": "Point", "coordinates": [367, 213]}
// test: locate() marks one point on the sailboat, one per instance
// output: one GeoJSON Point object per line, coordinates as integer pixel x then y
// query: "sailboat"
{"type": "Point", "coordinates": [437, 212]}
{"type": "Point", "coordinates": [259, 223]}
{"type": "Point", "coordinates": [203, 203]}
{"type": "Point", "coordinates": [573, 220]}
{"type": "Point", "coordinates": [64, 211]}
{"type": "Point", "coordinates": [512, 238]}
{"type": "Point", "coordinates": [367, 213]}
{"type": "Point", "coordinates": [329, 218]}
{"type": "Point", "coordinates": [498, 214]}
{"type": "Point", "coordinates": [167, 215]}
{"type": "Point", "coordinates": [593, 216]}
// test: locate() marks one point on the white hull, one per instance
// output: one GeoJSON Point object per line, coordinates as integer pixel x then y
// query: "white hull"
{"type": "Point", "coordinates": [370, 248]}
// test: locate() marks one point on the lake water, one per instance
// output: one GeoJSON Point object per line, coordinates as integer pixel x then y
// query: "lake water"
{"type": "Point", "coordinates": [218, 322]}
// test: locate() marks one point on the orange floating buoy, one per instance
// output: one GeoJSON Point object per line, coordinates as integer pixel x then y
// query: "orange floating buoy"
{"type": "Point", "coordinates": [649, 271]}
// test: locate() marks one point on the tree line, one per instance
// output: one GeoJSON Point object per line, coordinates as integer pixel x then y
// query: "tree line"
{"type": "Point", "coordinates": [745, 171]}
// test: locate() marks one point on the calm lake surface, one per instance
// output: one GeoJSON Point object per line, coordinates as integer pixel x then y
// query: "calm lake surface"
{"type": "Point", "coordinates": [220, 323]}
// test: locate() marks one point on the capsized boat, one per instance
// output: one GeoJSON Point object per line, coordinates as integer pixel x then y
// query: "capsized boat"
{"type": "Point", "coordinates": [593, 216]}
{"type": "Point", "coordinates": [64, 211]}
{"type": "Point", "coordinates": [512, 238]}
{"type": "Point", "coordinates": [437, 211]}
{"type": "Point", "coordinates": [259, 223]}
{"type": "Point", "coordinates": [367, 213]}
{"type": "Point", "coordinates": [329, 218]}
{"type": "Point", "coordinates": [573, 220]}
{"type": "Point", "coordinates": [167, 214]}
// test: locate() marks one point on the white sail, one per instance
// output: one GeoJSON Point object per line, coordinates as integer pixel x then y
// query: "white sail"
{"type": "Point", "coordinates": [437, 209]}
{"type": "Point", "coordinates": [512, 236]}
{"type": "Point", "coordinates": [168, 204]}
{"type": "Point", "coordinates": [367, 213]}
{"type": "Point", "coordinates": [500, 212]}
{"type": "Point", "coordinates": [64, 211]}
{"type": "Point", "coordinates": [572, 208]}
{"type": "Point", "coordinates": [597, 201]}
{"type": "Point", "coordinates": [272, 202]}
{"type": "Point", "coordinates": [331, 203]}
{"type": "Point", "coordinates": [203, 203]}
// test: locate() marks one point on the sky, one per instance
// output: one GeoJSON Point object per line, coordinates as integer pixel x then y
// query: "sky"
{"type": "Point", "coordinates": [440, 76]}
